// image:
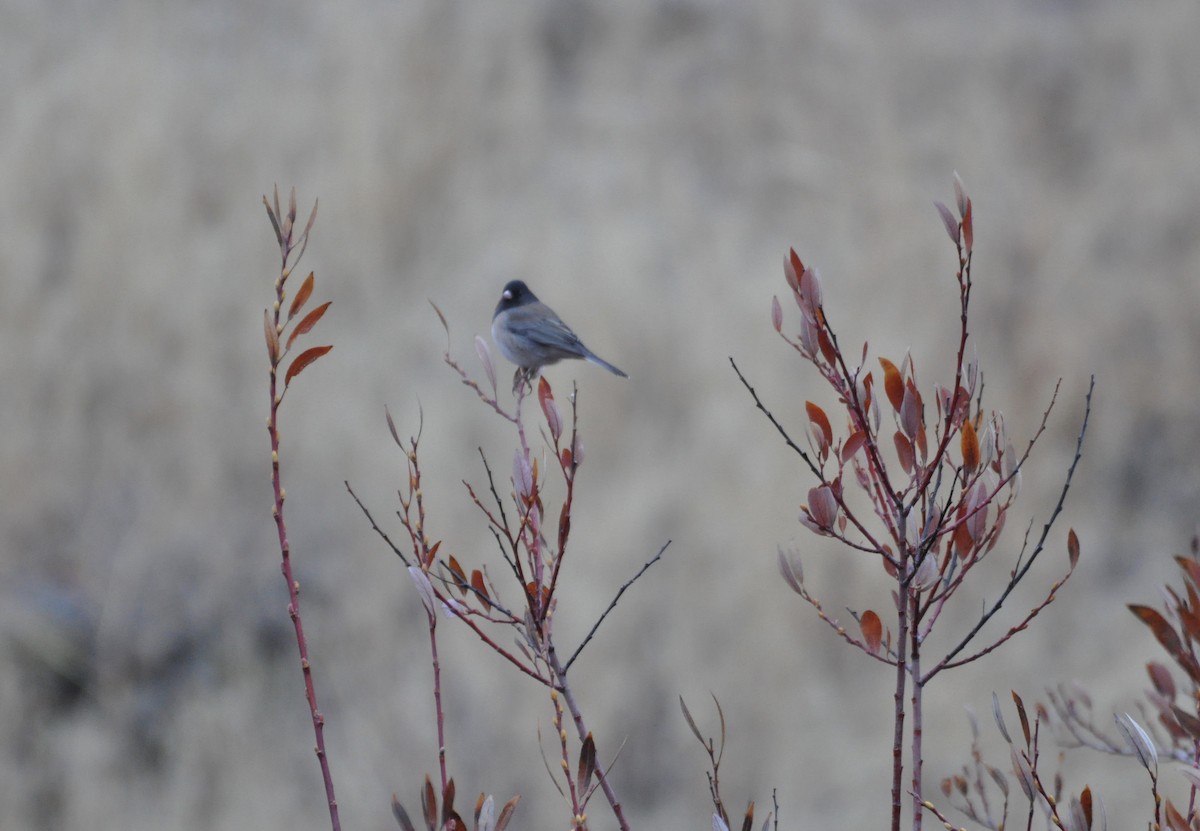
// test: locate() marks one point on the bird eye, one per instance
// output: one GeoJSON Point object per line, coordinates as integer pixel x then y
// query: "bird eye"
{"type": "Point", "coordinates": [506, 294]}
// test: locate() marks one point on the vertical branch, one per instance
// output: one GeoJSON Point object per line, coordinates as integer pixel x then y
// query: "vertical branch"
{"type": "Point", "coordinates": [437, 700]}
{"type": "Point", "coordinates": [581, 730]}
{"type": "Point", "coordinates": [275, 325]}
{"type": "Point", "coordinates": [917, 716]}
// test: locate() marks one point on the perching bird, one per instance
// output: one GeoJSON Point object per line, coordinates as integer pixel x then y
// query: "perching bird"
{"type": "Point", "coordinates": [531, 335]}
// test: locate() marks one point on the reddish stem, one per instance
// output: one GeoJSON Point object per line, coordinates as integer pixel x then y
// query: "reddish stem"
{"type": "Point", "coordinates": [286, 247]}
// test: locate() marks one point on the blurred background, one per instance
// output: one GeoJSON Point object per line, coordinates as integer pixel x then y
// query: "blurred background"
{"type": "Point", "coordinates": [644, 165]}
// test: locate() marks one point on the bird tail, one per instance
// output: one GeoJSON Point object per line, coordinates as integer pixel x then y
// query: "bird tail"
{"type": "Point", "coordinates": [601, 362]}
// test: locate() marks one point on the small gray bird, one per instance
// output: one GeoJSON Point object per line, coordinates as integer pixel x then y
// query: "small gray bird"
{"type": "Point", "coordinates": [531, 335]}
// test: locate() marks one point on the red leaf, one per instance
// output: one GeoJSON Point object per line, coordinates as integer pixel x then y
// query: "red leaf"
{"type": "Point", "coordinates": [1162, 630]}
{"type": "Point", "coordinates": [1191, 568]}
{"type": "Point", "coordinates": [303, 360]}
{"type": "Point", "coordinates": [587, 763]}
{"type": "Point", "coordinates": [970, 447]}
{"type": "Point", "coordinates": [872, 630]}
{"type": "Point", "coordinates": [1085, 802]}
{"type": "Point", "coordinates": [1073, 547]}
{"type": "Point", "coordinates": [821, 422]}
{"type": "Point", "coordinates": [852, 445]}
{"type": "Point", "coordinates": [1187, 721]}
{"type": "Point", "coordinates": [302, 296]}
{"type": "Point", "coordinates": [797, 269]}
{"type": "Point", "coordinates": [1024, 718]}
{"type": "Point", "coordinates": [893, 384]}
{"type": "Point", "coordinates": [429, 804]}
{"type": "Point", "coordinates": [1161, 678]}
{"type": "Point", "coordinates": [564, 525]}
{"type": "Point", "coordinates": [827, 350]}
{"type": "Point", "coordinates": [309, 321]}
{"type": "Point", "coordinates": [460, 577]}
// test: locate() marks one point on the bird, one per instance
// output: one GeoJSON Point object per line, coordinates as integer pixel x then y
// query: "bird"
{"type": "Point", "coordinates": [531, 335]}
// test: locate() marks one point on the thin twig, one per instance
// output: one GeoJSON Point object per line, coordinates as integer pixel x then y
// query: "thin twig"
{"type": "Point", "coordinates": [613, 604]}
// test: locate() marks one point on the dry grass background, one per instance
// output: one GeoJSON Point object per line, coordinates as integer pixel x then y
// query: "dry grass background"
{"type": "Point", "coordinates": [644, 165]}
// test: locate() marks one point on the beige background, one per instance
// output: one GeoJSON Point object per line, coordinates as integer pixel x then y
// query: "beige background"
{"type": "Point", "coordinates": [645, 165]}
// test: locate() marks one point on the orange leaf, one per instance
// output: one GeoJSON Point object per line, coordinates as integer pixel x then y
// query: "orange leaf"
{"type": "Point", "coordinates": [893, 384]}
{"type": "Point", "coordinates": [432, 552]}
{"type": "Point", "coordinates": [872, 630]}
{"type": "Point", "coordinates": [970, 447]}
{"type": "Point", "coordinates": [819, 420]}
{"type": "Point", "coordinates": [478, 585]}
{"type": "Point", "coordinates": [302, 296]}
{"type": "Point", "coordinates": [309, 321]}
{"type": "Point", "coordinates": [302, 361]}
